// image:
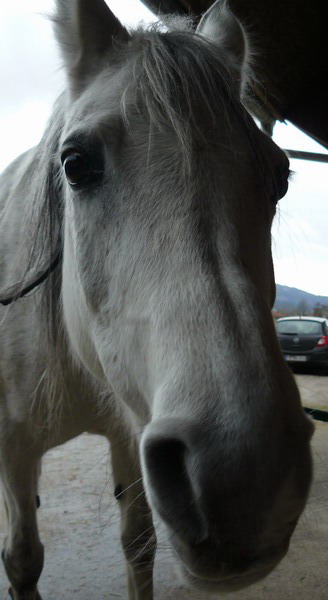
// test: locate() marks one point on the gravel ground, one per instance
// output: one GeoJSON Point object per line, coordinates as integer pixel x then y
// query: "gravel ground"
{"type": "Point", "coordinates": [79, 525]}
{"type": "Point", "coordinates": [314, 390]}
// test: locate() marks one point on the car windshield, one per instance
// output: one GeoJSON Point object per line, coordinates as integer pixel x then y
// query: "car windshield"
{"type": "Point", "coordinates": [299, 327]}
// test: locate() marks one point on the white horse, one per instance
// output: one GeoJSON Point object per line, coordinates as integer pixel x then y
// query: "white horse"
{"type": "Point", "coordinates": [145, 211]}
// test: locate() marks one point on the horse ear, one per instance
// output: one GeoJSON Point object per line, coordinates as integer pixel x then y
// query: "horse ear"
{"type": "Point", "coordinates": [85, 31]}
{"type": "Point", "coordinates": [220, 26]}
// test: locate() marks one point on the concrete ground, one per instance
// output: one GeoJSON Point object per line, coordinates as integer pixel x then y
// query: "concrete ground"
{"type": "Point", "coordinates": [79, 522]}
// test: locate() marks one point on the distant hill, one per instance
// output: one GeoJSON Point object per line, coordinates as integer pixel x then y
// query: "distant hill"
{"type": "Point", "coordinates": [288, 298]}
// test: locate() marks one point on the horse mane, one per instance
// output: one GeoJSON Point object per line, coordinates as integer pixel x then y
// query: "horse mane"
{"type": "Point", "coordinates": [38, 251]}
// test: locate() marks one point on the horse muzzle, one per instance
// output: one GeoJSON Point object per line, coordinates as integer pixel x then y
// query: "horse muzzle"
{"type": "Point", "coordinates": [228, 525]}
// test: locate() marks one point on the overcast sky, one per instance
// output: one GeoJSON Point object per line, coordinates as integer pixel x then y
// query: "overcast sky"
{"type": "Point", "coordinates": [31, 78]}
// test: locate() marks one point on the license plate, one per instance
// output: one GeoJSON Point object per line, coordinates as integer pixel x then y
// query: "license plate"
{"type": "Point", "coordinates": [295, 358]}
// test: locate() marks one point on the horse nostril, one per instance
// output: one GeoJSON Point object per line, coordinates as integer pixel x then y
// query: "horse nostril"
{"type": "Point", "coordinates": [166, 457]}
{"type": "Point", "coordinates": [166, 462]}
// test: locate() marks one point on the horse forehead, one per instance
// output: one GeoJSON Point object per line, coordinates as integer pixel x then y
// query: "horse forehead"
{"type": "Point", "coordinates": [98, 104]}
{"type": "Point", "coordinates": [112, 101]}
{"type": "Point", "coordinates": [116, 89]}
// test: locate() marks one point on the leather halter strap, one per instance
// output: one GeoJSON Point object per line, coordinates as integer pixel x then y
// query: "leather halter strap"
{"type": "Point", "coordinates": [16, 291]}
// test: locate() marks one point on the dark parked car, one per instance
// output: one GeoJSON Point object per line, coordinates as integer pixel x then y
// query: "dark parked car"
{"type": "Point", "coordinates": [304, 340]}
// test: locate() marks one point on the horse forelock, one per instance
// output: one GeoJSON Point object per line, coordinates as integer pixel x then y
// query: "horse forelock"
{"type": "Point", "coordinates": [182, 80]}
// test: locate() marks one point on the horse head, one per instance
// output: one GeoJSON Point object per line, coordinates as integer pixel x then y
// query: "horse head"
{"type": "Point", "coordinates": [169, 191]}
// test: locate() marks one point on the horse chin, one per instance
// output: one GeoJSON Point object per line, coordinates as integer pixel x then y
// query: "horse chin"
{"type": "Point", "coordinates": [230, 583]}
{"type": "Point", "coordinates": [221, 579]}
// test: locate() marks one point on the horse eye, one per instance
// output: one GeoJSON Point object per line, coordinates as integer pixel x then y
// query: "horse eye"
{"type": "Point", "coordinates": [79, 171]}
{"type": "Point", "coordinates": [75, 167]}
{"type": "Point", "coordinates": [283, 187]}
{"type": "Point", "coordinates": [282, 183]}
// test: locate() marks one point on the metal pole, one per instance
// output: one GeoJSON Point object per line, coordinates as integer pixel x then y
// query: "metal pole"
{"type": "Point", "coordinates": [315, 156]}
